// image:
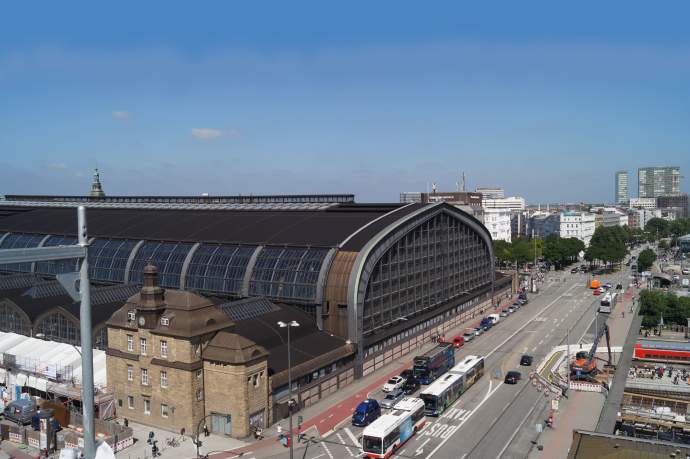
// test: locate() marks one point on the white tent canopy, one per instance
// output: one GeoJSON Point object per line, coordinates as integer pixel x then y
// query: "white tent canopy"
{"type": "Point", "coordinates": [37, 360]}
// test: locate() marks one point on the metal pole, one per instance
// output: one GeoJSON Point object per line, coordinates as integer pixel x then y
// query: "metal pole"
{"type": "Point", "coordinates": [86, 345]}
{"type": "Point", "coordinates": [290, 390]}
{"type": "Point", "coordinates": [567, 350]}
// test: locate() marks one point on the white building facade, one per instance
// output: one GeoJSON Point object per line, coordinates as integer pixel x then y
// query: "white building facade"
{"type": "Point", "coordinates": [614, 217]}
{"type": "Point", "coordinates": [491, 192]}
{"type": "Point", "coordinates": [511, 203]}
{"type": "Point", "coordinates": [579, 225]}
{"type": "Point", "coordinates": [497, 221]}
{"type": "Point", "coordinates": [643, 203]}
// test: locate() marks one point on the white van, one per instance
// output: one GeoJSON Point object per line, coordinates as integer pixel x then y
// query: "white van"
{"type": "Point", "coordinates": [495, 318]}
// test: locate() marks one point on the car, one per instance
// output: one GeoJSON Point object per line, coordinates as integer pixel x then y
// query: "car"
{"type": "Point", "coordinates": [20, 411]}
{"type": "Point", "coordinates": [686, 271]}
{"type": "Point", "coordinates": [511, 309]}
{"type": "Point", "coordinates": [522, 301]}
{"type": "Point", "coordinates": [486, 323]}
{"type": "Point", "coordinates": [676, 277]}
{"type": "Point", "coordinates": [410, 386]}
{"type": "Point", "coordinates": [619, 287]}
{"type": "Point", "coordinates": [526, 360]}
{"type": "Point", "coordinates": [468, 335]}
{"type": "Point", "coordinates": [574, 271]}
{"type": "Point", "coordinates": [504, 313]}
{"type": "Point", "coordinates": [478, 331]}
{"type": "Point", "coordinates": [596, 292]}
{"type": "Point", "coordinates": [407, 374]}
{"type": "Point", "coordinates": [366, 412]}
{"type": "Point", "coordinates": [608, 285]}
{"type": "Point", "coordinates": [392, 398]}
{"type": "Point", "coordinates": [512, 377]}
{"type": "Point", "coordinates": [396, 382]}
{"type": "Point", "coordinates": [458, 342]}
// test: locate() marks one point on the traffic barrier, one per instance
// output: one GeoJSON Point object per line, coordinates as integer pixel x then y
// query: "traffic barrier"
{"type": "Point", "coordinates": [585, 387]}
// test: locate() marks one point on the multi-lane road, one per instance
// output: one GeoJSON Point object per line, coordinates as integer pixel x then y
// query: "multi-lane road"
{"type": "Point", "coordinates": [493, 419]}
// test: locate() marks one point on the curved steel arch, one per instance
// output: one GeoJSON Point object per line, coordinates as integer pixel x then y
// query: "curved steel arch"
{"type": "Point", "coordinates": [380, 243]}
{"type": "Point", "coordinates": [12, 305]}
{"type": "Point", "coordinates": [57, 310]}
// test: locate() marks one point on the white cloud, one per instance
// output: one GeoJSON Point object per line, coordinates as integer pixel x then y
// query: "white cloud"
{"type": "Point", "coordinates": [56, 166]}
{"type": "Point", "coordinates": [120, 115]}
{"type": "Point", "coordinates": [207, 133]}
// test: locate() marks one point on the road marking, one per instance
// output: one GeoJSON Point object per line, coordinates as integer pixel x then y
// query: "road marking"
{"type": "Point", "coordinates": [342, 440]}
{"type": "Point", "coordinates": [320, 455]}
{"type": "Point", "coordinates": [420, 450]}
{"type": "Point", "coordinates": [528, 322]}
{"type": "Point", "coordinates": [352, 437]}
{"type": "Point", "coordinates": [328, 451]}
{"type": "Point", "coordinates": [512, 437]}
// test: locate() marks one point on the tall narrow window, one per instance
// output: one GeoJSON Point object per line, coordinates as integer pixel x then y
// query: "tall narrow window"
{"type": "Point", "coordinates": [142, 345]}
{"type": "Point", "coordinates": [130, 343]}
{"type": "Point", "coordinates": [144, 377]}
{"type": "Point", "coordinates": [164, 378]}
{"type": "Point", "coordinates": [130, 373]}
{"type": "Point", "coordinates": [164, 349]}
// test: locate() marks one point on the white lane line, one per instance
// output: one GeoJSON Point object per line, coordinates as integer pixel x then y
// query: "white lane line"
{"type": "Point", "coordinates": [320, 455]}
{"type": "Point", "coordinates": [328, 451]}
{"type": "Point", "coordinates": [528, 322]}
{"type": "Point", "coordinates": [512, 437]}
{"type": "Point", "coordinates": [489, 393]}
{"type": "Point", "coordinates": [352, 437]}
{"type": "Point", "coordinates": [342, 440]}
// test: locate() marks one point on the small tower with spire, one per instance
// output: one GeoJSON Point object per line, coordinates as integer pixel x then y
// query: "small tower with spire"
{"type": "Point", "coordinates": [96, 188]}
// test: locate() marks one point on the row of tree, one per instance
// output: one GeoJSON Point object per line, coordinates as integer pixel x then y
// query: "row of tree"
{"type": "Point", "coordinates": [519, 250]}
{"type": "Point", "coordinates": [656, 303]}
{"type": "Point", "coordinates": [658, 228]}
{"type": "Point", "coordinates": [608, 245]}
{"type": "Point", "coordinates": [646, 260]}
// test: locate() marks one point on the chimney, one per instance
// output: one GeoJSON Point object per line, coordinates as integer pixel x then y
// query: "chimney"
{"type": "Point", "coordinates": [152, 295]}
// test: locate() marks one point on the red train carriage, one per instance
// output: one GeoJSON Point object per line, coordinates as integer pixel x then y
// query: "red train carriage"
{"type": "Point", "coordinates": [662, 351]}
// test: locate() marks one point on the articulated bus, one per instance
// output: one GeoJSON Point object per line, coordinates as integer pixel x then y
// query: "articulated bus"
{"type": "Point", "coordinates": [432, 364]}
{"type": "Point", "coordinates": [384, 436]}
{"type": "Point", "coordinates": [608, 302]}
{"type": "Point", "coordinates": [442, 393]}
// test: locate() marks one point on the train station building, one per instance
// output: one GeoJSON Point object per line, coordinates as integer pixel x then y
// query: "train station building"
{"type": "Point", "coordinates": [367, 282]}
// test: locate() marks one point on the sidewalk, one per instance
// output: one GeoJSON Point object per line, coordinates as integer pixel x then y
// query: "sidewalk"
{"type": "Point", "coordinates": [320, 422]}
{"type": "Point", "coordinates": [581, 410]}
{"type": "Point", "coordinates": [10, 449]}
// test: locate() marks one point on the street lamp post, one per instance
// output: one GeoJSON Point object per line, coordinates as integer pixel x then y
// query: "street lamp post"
{"type": "Point", "coordinates": [291, 402]}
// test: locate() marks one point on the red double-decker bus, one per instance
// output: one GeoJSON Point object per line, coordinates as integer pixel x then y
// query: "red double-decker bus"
{"type": "Point", "coordinates": [662, 351]}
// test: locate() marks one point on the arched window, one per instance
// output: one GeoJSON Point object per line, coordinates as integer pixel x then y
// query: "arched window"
{"type": "Point", "coordinates": [12, 320]}
{"type": "Point", "coordinates": [436, 261]}
{"type": "Point", "coordinates": [57, 327]}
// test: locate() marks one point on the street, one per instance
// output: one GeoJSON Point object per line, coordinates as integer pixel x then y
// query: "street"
{"type": "Point", "coordinates": [493, 419]}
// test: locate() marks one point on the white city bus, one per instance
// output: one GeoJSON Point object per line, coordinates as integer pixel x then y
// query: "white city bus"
{"type": "Point", "coordinates": [449, 387]}
{"type": "Point", "coordinates": [382, 437]}
{"type": "Point", "coordinates": [608, 302]}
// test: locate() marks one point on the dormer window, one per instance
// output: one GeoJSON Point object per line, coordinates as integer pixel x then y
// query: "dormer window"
{"type": "Point", "coordinates": [132, 315]}
{"type": "Point", "coordinates": [165, 321]}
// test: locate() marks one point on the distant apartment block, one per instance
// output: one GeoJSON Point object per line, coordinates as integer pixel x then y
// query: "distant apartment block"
{"type": "Point", "coordinates": [653, 182]}
{"type": "Point", "coordinates": [491, 192]}
{"type": "Point", "coordinates": [643, 203]}
{"type": "Point", "coordinates": [511, 203]}
{"type": "Point", "coordinates": [677, 204]}
{"type": "Point", "coordinates": [498, 222]}
{"type": "Point", "coordinates": [622, 190]}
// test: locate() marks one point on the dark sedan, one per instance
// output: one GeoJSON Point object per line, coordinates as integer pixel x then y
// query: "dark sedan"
{"type": "Point", "coordinates": [513, 377]}
{"type": "Point", "coordinates": [526, 360]}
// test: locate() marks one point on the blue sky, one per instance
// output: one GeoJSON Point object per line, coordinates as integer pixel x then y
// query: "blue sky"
{"type": "Point", "coordinates": [371, 98]}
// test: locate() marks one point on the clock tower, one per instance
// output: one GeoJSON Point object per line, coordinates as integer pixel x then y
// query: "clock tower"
{"type": "Point", "coordinates": [151, 302]}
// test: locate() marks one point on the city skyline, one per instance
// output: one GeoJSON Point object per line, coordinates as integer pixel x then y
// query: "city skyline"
{"type": "Point", "coordinates": [341, 102]}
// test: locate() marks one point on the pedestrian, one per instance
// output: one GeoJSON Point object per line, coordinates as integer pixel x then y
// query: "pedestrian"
{"type": "Point", "coordinates": [206, 432]}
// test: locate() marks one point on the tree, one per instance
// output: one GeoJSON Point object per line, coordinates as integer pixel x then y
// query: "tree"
{"type": "Point", "coordinates": [608, 245]}
{"type": "Point", "coordinates": [502, 251]}
{"type": "Point", "coordinates": [645, 260]}
{"type": "Point", "coordinates": [657, 228]}
{"type": "Point", "coordinates": [663, 244]}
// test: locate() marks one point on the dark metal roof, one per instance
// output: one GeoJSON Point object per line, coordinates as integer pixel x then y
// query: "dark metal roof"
{"type": "Point", "coordinates": [325, 228]}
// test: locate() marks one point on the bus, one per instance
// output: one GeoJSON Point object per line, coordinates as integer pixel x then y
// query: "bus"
{"type": "Point", "coordinates": [434, 363]}
{"type": "Point", "coordinates": [442, 393]}
{"type": "Point", "coordinates": [388, 433]}
{"type": "Point", "coordinates": [608, 302]}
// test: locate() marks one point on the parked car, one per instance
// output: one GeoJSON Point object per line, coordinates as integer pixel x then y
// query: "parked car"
{"type": "Point", "coordinates": [468, 335]}
{"type": "Point", "coordinates": [608, 285]}
{"type": "Point", "coordinates": [396, 382]}
{"type": "Point", "coordinates": [20, 411]}
{"type": "Point", "coordinates": [392, 398]}
{"type": "Point", "coordinates": [504, 313]}
{"type": "Point", "coordinates": [478, 331]}
{"type": "Point", "coordinates": [596, 292]}
{"type": "Point", "coordinates": [511, 309]}
{"type": "Point", "coordinates": [522, 301]}
{"type": "Point", "coordinates": [574, 271]}
{"type": "Point", "coordinates": [458, 342]}
{"type": "Point", "coordinates": [686, 271]}
{"type": "Point", "coordinates": [512, 377]}
{"type": "Point", "coordinates": [526, 360]}
{"type": "Point", "coordinates": [366, 412]}
{"type": "Point", "coordinates": [411, 385]}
